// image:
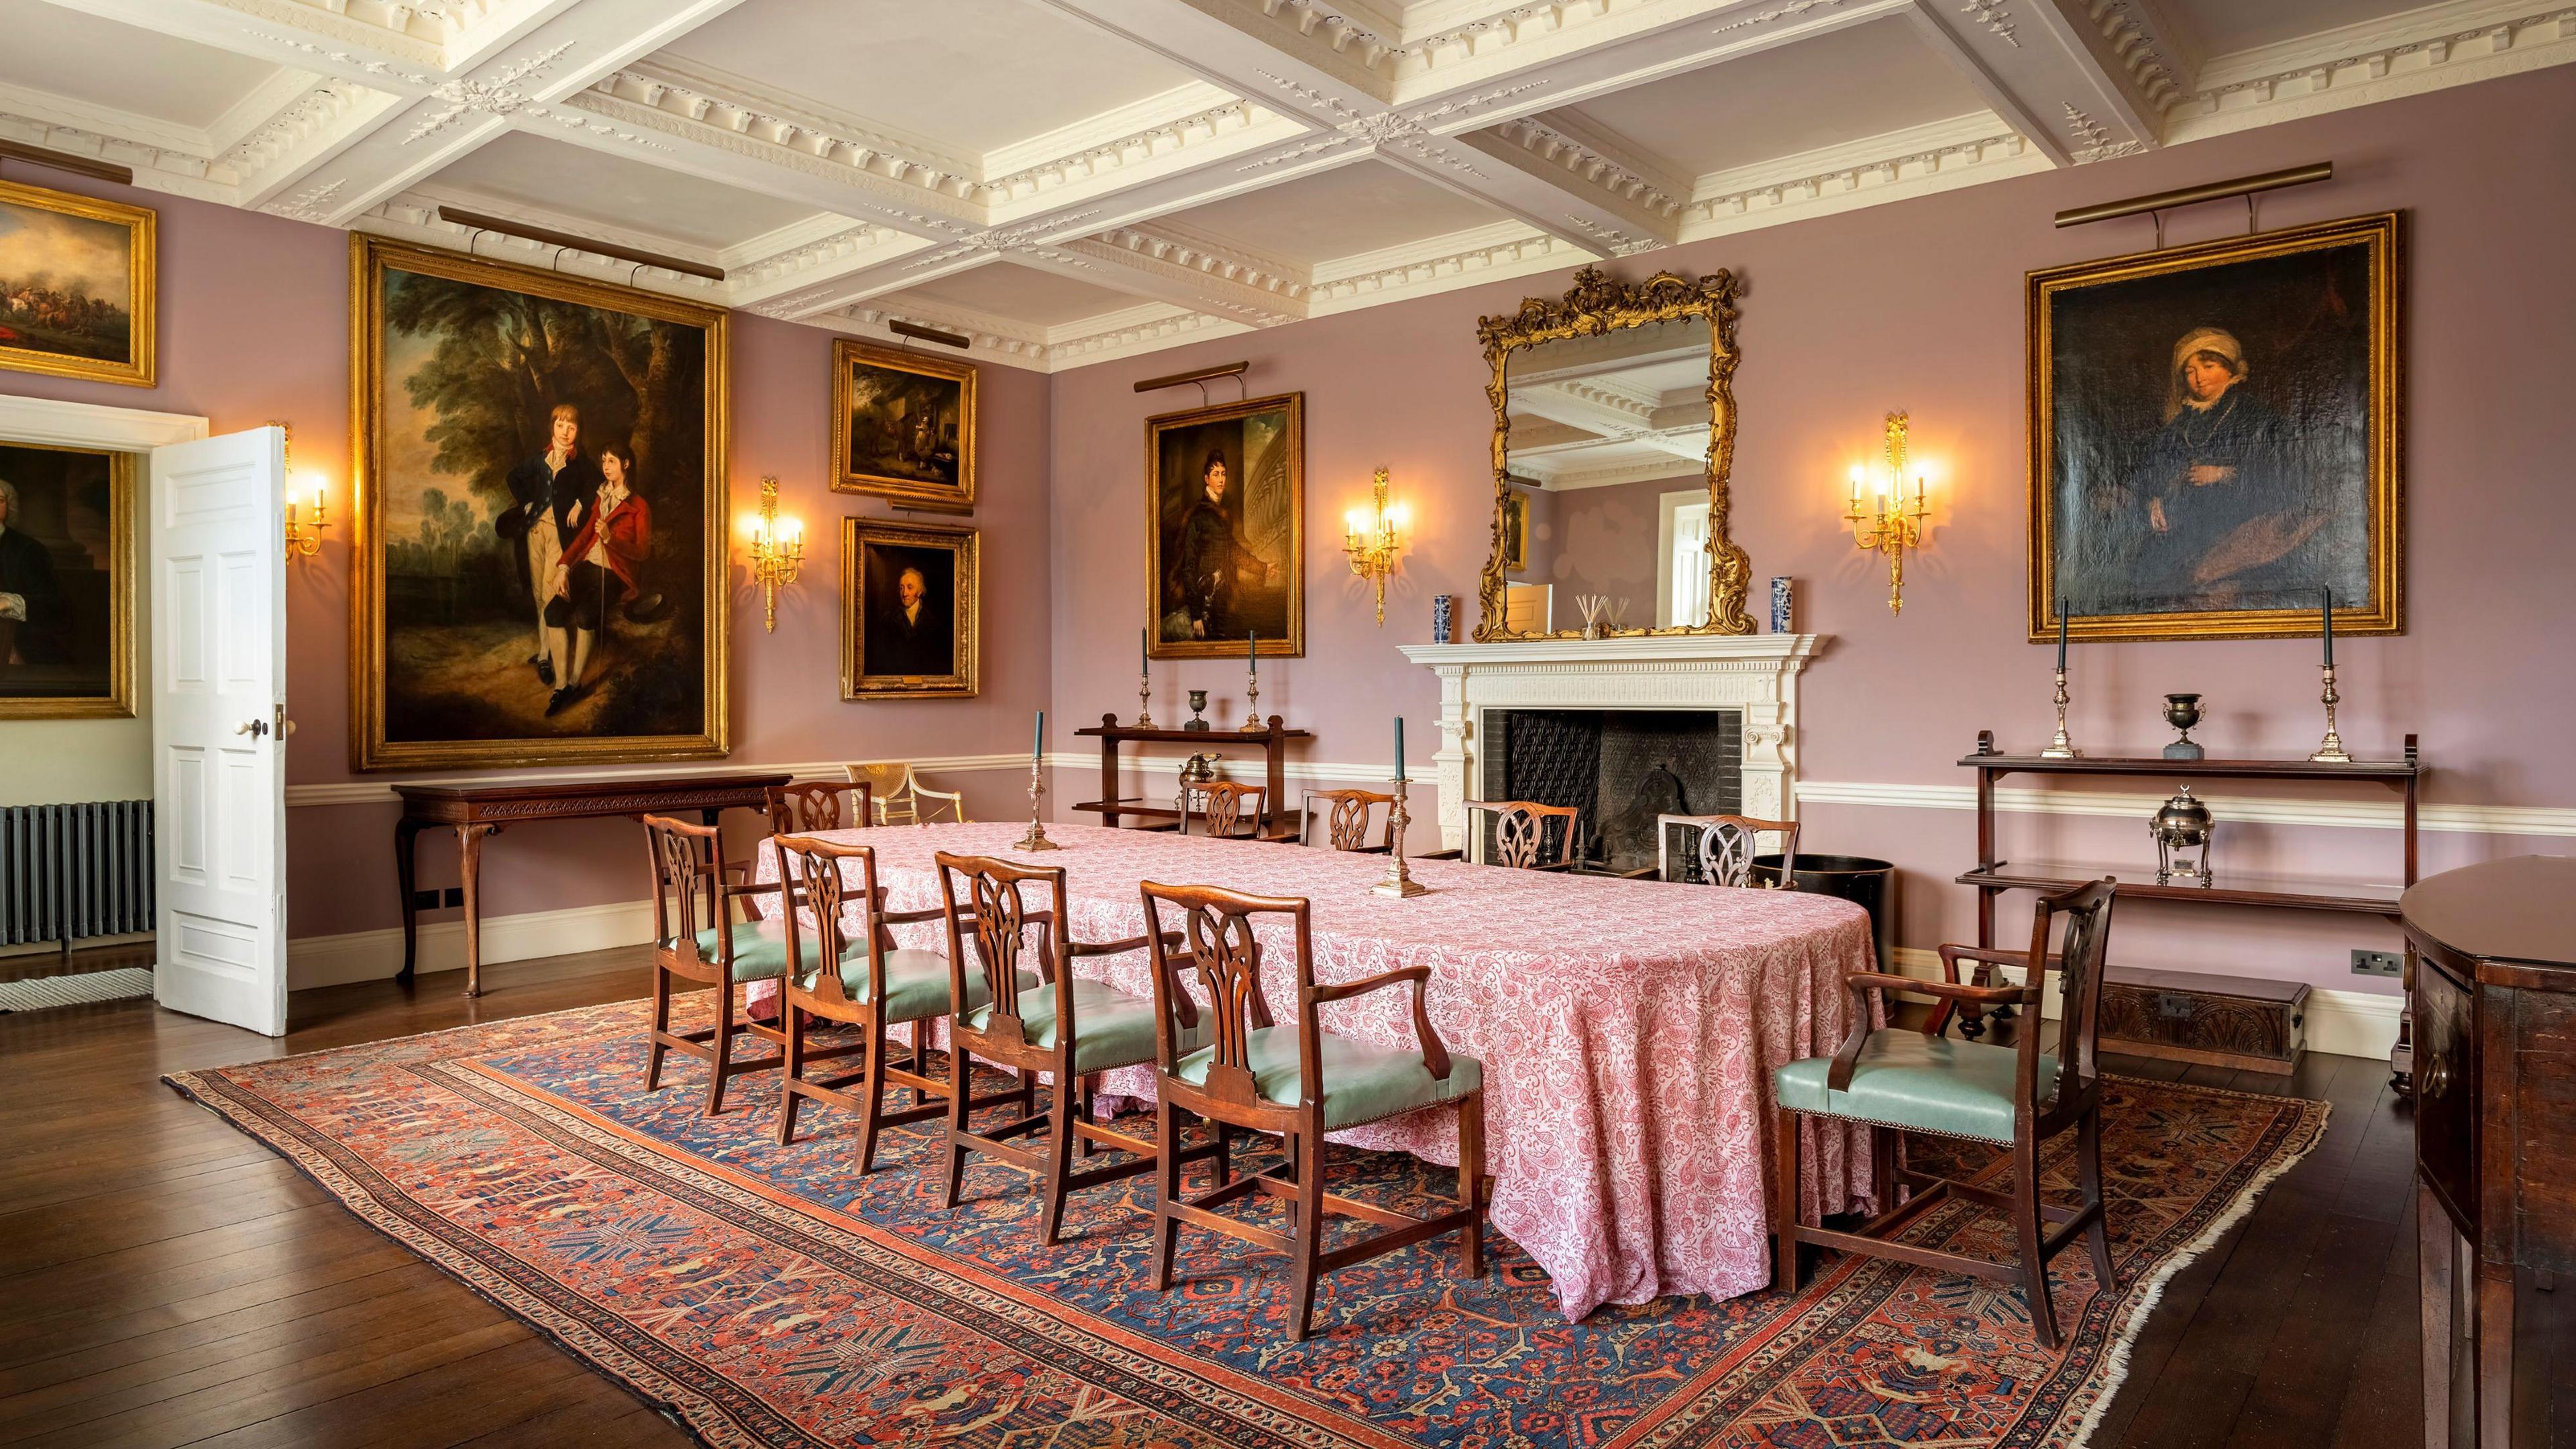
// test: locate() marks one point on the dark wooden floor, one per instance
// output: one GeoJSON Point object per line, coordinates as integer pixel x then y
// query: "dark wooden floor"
{"type": "Point", "coordinates": [164, 1280]}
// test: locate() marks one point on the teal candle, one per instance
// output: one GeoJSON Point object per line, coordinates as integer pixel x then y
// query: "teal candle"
{"type": "Point", "coordinates": [2329, 628]}
{"type": "Point", "coordinates": [1144, 655]}
{"type": "Point", "coordinates": [2061, 634]}
{"type": "Point", "coordinates": [1037, 739]}
{"type": "Point", "coordinates": [1252, 651]}
{"type": "Point", "coordinates": [1399, 749]}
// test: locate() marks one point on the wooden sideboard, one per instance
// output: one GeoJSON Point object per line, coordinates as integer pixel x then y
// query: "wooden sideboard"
{"type": "Point", "coordinates": [2495, 1139]}
{"type": "Point", "coordinates": [477, 811]}
{"type": "Point", "coordinates": [1272, 742]}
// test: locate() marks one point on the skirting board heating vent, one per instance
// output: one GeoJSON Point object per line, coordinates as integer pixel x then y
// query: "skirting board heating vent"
{"type": "Point", "coordinates": [73, 871]}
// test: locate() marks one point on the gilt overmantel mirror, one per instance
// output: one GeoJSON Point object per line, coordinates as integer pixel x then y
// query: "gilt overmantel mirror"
{"type": "Point", "coordinates": [1614, 431]}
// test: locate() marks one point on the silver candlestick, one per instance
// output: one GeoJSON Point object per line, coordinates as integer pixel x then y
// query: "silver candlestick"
{"type": "Point", "coordinates": [1145, 700]}
{"type": "Point", "coordinates": [1252, 724]}
{"type": "Point", "coordinates": [2061, 747]}
{"type": "Point", "coordinates": [1036, 839]}
{"type": "Point", "coordinates": [2330, 751]}
{"type": "Point", "coordinates": [1398, 883]}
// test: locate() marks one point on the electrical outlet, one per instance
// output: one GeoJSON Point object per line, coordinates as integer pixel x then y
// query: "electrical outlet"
{"type": "Point", "coordinates": [438, 900]}
{"type": "Point", "coordinates": [455, 899]}
{"type": "Point", "coordinates": [2378, 963]}
{"type": "Point", "coordinates": [425, 900]}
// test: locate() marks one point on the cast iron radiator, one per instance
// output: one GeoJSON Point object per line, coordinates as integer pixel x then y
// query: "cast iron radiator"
{"type": "Point", "coordinates": [70, 871]}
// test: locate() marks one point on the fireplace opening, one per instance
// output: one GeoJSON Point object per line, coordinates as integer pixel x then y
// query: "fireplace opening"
{"type": "Point", "coordinates": [1620, 768]}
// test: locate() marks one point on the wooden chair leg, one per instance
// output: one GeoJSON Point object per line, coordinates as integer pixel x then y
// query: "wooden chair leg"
{"type": "Point", "coordinates": [1310, 1244]}
{"type": "Point", "coordinates": [790, 1071]}
{"type": "Point", "coordinates": [1060, 1137]}
{"type": "Point", "coordinates": [661, 1023]}
{"type": "Point", "coordinates": [872, 1090]}
{"type": "Point", "coordinates": [961, 1080]}
{"type": "Point", "coordinates": [1882, 1166]}
{"type": "Point", "coordinates": [724, 1049]}
{"type": "Point", "coordinates": [1471, 1179]}
{"type": "Point", "coordinates": [1223, 1163]}
{"type": "Point", "coordinates": [2027, 1226]}
{"type": "Point", "coordinates": [2097, 1238]}
{"type": "Point", "coordinates": [1167, 1190]}
{"type": "Point", "coordinates": [1784, 1269]}
{"type": "Point", "coordinates": [1086, 1087]}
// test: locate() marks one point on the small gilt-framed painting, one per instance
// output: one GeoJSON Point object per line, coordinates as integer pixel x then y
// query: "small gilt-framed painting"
{"type": "Point", "coordinates": [77, 280]}
{"type": "Point", "coordinates": [910, 609]}
{"type": "Point", "coordinates": [903, 426]}
{"type": "Point", "coordinates": [1225, 532]}
{"type": "Point", "coordinates": [2214, 437]}
{"type": "Point", "coordinates": [66, 583]}
{"type": "Point", "coordinates": [1516, 525]}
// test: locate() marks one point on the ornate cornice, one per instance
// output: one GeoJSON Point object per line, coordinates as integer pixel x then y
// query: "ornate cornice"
{"type": "Point", "coordinates": [1392, 57]}
{"type": "Point", "coordinates": [1144, 145]}
{"type": "Point", "coordinates": [2155, 72]}
{"type": "Point", "coordinates": [670, 101]}
{"type": "Point", "coordinates": [1414, 275]}
{"type": "Point", "coordinates": [1405, 130]}
{"type": "Point", "coordinates": [1877, 171]}
{"type": "Point", "coordinates": [2323, 67]}
{"type": "Point", "coordinates": [1576, 158]}
{"type": "Point", "coordinates": [1215, 259]}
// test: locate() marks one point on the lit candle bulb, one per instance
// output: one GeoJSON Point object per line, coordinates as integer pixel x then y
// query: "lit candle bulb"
{"type": "Point", "coordinates": [1855, 482]}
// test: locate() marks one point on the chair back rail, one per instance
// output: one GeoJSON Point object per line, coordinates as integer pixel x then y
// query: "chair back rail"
{"type": "Point", "coordinates": [817, 806]}
{"type": "Point", "coordinates": [688, 889]}
{"type": "Point", "coordinates": [1520, 832]}
{"type": "Point", "coordinates": [1346, 822]}
{"type": "Point", "coordinates": [811, 877]}
{"type": "Point", "coordinates": [996, 919]}
{"type": "Point", "coordinates": [1724, 847]}
{"type": "Point", "coordinates": [1220, 930]}
{"type": "Point", "coordinates": [897, 796]}
{"type": "Point", "coordinates": [2082, 944]}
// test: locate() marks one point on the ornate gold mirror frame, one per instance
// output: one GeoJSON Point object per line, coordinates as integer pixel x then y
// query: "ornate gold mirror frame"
{"type": "Point", "coordinates": [1596, 305]}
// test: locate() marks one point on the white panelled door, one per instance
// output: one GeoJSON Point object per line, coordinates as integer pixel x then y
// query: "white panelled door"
{"type": "Point", "coordinates": [218, 704]}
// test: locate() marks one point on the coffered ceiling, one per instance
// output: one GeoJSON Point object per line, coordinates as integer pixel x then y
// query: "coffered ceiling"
{"type": "Point", "coordinates": [1071, 180]}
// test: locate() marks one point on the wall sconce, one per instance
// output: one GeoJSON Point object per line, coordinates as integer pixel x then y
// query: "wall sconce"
{"type": "Point", "coordinates": [304, 537]}
{"type": "Point", "coordinates": [1890, 525]}
{"type": "Point", "coordinates": [777, 550]}
{"type": "Point", "coordinates": [1369, 538]}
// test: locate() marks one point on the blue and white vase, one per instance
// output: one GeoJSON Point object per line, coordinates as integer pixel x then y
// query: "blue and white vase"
{"type": "Point", "coordinates": [1782, 617]}
{"type": "Point", "coordinates": [1443, 615]}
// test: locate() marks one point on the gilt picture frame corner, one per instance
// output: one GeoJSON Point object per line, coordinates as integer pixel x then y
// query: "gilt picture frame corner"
{"type": "Point", "coordinates": [2215, 436]}
{"type": "Point", "coordinates": [542, 582]}
{"type": "Point", "coordinates": [1225, 535]}
{"type": "Point", "coordinates": [904, 426]}
{"type": "Point", "coordinates": [79, 286]}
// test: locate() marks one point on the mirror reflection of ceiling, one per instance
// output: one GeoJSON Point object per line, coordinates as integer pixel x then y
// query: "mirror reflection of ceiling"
{"type": "Point", "coordinates": [1143, 174]}
{"type": "Point", "coordinates": [1587, 412]}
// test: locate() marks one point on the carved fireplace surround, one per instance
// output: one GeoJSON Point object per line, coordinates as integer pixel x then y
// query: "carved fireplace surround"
{"type": "Point", "coordinates": [1755, 674]}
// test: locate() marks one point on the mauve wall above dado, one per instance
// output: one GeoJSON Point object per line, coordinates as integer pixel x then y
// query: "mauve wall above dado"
{"type": "Point", "coordinates": [1918, 305]}
{"type": "Point", "coordinates": [254, 329]}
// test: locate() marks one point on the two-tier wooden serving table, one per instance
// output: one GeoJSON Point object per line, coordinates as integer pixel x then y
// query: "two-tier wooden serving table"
{"type": "Point", "coordinates": [1273, 743]}
{"type": "Point", "coordinates": [477, 811]}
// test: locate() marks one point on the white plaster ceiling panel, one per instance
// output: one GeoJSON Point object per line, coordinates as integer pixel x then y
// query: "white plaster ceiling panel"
{"type": "Point", "coordinates": [1367, 206]}
{"type": "Point", "coordinates": [80, 57]}
{"type": "Point", "coordinates": [1023, 294]}
{"type": "Point", "coordinates": [2212, 28]}
{"type": "Point", "coordinates": [970, 76]}
{"type": "Point", "coordinates": [526, 175]}
{"type": "Point", "coordinates": [1864, 80]}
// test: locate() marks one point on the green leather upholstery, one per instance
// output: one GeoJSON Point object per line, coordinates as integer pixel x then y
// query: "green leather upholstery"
{"type": "Point", "coordinates": [1904, 1079]}
{"type": "Point", "coordinates": [1112, 1028]}
{"type": "Point", "coordinates": [916, 983]}
{"type": "Point", "coordinates": [1362, 1083]}
{"type": "Point", "coordinates": [759, 950]}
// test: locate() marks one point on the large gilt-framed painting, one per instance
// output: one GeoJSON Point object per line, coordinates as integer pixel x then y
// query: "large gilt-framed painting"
{"type": "Point", "coordinates": [77, 280]}
{"type": "Point", "coordinates": [540, 541]}
{"type": "Point", "coordinates": [66, 582]}
{"type": "Point", "coordinates": [903, 426]}
{"type": "Point", "coordinates": [1225, 529]}
{"type": "Point", "coordinates": [2214, 437]}
{"type": "Point", "coordinates": [910, 609]}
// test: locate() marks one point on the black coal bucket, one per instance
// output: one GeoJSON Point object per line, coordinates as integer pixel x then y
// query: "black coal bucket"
{"type": "Point", "coordinates": [1866, 883]}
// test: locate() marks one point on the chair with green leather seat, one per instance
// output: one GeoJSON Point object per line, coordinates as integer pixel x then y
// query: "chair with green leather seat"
{"type": "Point", "coordinates": [2016, 1097]}
{"type": "Point", "coordinates": [1294, 1082]}
{"type": "Point", "coordinates": [873, 985]}
{"type": "Point", "coordinates": [695, 938]}
{"type": "Point", "coordinates": [1048, 1020]}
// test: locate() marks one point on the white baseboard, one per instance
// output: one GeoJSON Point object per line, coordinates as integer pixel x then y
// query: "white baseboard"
{"type": "Point", "coordinates": [377, 955]}
{"type": "Point", "coordinates": [2342, 1023]}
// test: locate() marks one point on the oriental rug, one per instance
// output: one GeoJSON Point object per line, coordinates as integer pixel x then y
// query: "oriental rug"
{"type": "Point", "coordinates": [769, 1296]}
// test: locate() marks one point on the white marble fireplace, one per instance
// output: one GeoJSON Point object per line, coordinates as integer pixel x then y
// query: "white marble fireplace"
{"type": "Point", "coordinates": [1755, 675]}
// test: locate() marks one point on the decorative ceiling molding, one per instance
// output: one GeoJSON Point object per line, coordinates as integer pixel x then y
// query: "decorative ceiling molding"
{"type": "Point", "coordinates": [1580, 160]}
{"type": "Point", "coordinates": [1189, 252]}
{"type": "Point", "coordinates": [414, 217]}
{"type": "Point", "coordinates": [1441, 264]}
{"type": "Point", "coordinates": [1884, 168]}
{"type": "Point", "coordinates": [2439, 46]}
{"type": "Point", "coordinates": [2154, 72]}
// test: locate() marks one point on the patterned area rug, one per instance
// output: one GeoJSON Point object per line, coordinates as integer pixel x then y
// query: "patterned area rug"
{"type": "Point", "coordinates": [769, 1296]}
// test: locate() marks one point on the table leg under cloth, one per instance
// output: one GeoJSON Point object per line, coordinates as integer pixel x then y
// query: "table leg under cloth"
{"type": "Point", "coordinates": [1627, 1030]}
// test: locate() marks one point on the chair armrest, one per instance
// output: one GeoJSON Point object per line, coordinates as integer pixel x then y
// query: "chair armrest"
{"type": "Point", "coordinates": [1951, 956]}
{"type": "Point", "coordinates": [906, 918]}
{"type": "Point", "coordinates": [1439, 855]}
{"type": "Point", "coordinates": [1435, 1052]}
{"type": "Point", "coordinates": [1117, 948]}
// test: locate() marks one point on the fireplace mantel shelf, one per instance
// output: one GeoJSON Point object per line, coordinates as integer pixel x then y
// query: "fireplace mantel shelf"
{"type": "Point", "coordinates": [1755, 675]}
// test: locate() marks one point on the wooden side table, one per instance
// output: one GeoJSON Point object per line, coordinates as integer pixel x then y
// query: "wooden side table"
{"type": "Point", "coordinates": [1273, 743]}
{"type": "Point", "coordinates": [2495, 1131]}
{"type": "Point", "coordinates": [475, 812]}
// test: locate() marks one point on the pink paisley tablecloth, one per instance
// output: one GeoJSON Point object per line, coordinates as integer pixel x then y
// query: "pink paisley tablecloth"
{"type": "Point", "coordinates": [1627, 1029]}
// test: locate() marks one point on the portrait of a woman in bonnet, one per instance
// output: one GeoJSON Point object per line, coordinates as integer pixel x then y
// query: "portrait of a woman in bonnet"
{"type": "Point", "coordinates": [2222, 500]}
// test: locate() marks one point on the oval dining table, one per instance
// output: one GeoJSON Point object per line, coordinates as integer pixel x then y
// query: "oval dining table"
{"type": "Point", "coordinates": [1627, 1028]}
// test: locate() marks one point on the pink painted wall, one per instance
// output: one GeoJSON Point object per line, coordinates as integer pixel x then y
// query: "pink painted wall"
{"type": "Point", "coordinates": [254, 328]}
{"type": "Point", "coordinates": [1919, 305]}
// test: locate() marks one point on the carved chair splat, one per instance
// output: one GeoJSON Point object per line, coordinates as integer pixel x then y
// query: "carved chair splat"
{"type": "Point", "coordinates": [1723, 847]}
{"type": "Point", "coordinates": [696, 939]}
{"type": "Point", "coordinates": [1346, 820]}
{"type": "Point", "coordinates": [1219, 807]}
{"type": "Point", "coordinates": [1521, 830]}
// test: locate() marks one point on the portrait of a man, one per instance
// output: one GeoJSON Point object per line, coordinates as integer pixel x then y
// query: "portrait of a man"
{"type": "Point", "coordinates": [66, 582]}
{"type": "Point", "coordinates": [545, 490]}
{"type": "Point", "coordinates": [2213, 437]}
{"type": "Point", "coordinates": [910, 595]}
{"type": "Point", "coordinates": [1225, 531]}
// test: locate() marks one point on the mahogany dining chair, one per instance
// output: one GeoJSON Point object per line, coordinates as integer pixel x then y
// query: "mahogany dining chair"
{"type": "Point", "coordinates": [1224, 814]}
{"type": "Point", "coordinates": [1722, 848]}
{"type": "Point", "coordinates": [1346, 820]}
{"type": "Point", "coordinates": [1296, 1083]}
{"type": "Point", "coordinates": [695, 939]}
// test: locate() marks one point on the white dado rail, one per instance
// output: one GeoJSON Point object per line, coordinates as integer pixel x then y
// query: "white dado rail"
{"type": "Point", "coordinates": [1754, 674]}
